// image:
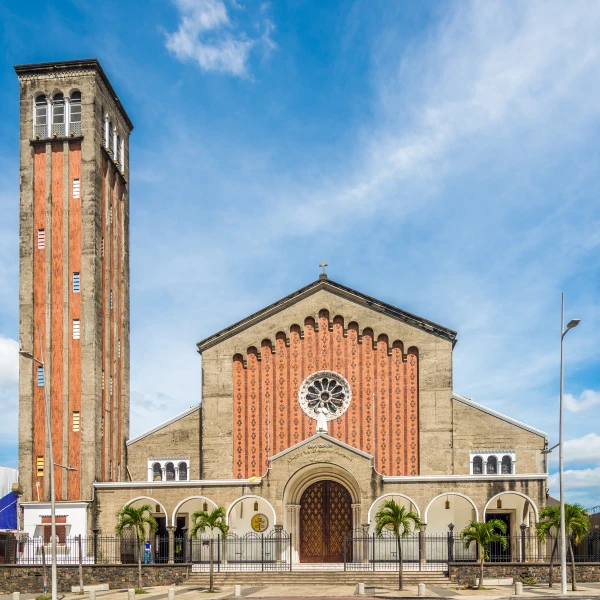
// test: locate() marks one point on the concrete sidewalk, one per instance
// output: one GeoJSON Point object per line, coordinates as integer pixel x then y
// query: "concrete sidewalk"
{"type": "Point", "coordinates": [187, 592]}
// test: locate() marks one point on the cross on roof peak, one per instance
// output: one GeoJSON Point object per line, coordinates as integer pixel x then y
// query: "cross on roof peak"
{"type": "Point", "coordinates": [323, 275]}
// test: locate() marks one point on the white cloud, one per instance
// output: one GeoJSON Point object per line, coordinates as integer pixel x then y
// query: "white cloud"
{"type": "Point", "coordinates": [9, 362]}
{"type": "Point", "coordinates": [578, 479]}
{"type": "Point", "coordinates": [587, 399]}
{"type": "Point", "coordinates": [207, 35]}
{"type": "Point", "coordinates": [585, 449]}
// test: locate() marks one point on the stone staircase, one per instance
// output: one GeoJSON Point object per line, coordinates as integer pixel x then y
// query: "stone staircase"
{"type": "Point", "coordinates": [319, 575]}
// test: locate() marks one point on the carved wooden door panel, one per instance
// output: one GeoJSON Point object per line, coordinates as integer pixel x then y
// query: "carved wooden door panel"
{"type": "Point", "coordinates": [325, 516]}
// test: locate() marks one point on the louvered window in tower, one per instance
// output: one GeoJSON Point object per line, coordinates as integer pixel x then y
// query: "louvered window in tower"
{"type": "Point", "coordinates": [40, 376]}
{"type": "Point", "coordinates": [76, 420]}
{"type": "Point", "coordinates": [102, 248]}
{"type": "Point", "coordinates": [111, 304]}
{"type": "Point", "coordinates": [58, 115]}
{"type": "Point", "coordinates": [41, 241]}
{"type": "Point", "coordinates": [41, 117]}
{"type": "Point", "coordinates": [40, 466]}
{"type": "Point", "coordinates": [76, 283]}
{"type": "Point", "coordinates": [76, 329]}
{"type": "Point", "coordinates": [111, 386]}
{"type": "Point", "coordinates": [75, 114]}
{"type": "Point", "coordinates": [76, 188]}
{"type": "Point", "coordinates": [103, 379]}
{"type": "Point", "coordinates": [119, 349]}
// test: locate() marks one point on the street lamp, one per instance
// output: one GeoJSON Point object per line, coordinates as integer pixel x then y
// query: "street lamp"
{"type": "Point", "coordinates": [563, 538]}
{"type": "Point", "coordinates": [29, 355]}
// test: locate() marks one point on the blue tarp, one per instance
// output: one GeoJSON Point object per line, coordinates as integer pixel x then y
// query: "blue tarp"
{"type": "Point", "coordinates": [8, 511]}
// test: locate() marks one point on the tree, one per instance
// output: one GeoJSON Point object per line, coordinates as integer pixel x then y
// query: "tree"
{"type": "Point", "coordinates": [138, 520]}
{"type": "Point", "coordinates": [204, 520]}
{"type": "Point", "coordinates": [396, 518]}
{"type": "Point", "coordinates": [577, 526]}
{"type": "Point", "coordinates": [483, 534]}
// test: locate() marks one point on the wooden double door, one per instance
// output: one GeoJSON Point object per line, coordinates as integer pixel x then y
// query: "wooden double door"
{"type": "Point", "coordinates": [325, 516]}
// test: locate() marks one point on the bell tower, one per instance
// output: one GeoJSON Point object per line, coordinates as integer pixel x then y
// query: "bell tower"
{"type": "Point", "coordinates": [74, 277]}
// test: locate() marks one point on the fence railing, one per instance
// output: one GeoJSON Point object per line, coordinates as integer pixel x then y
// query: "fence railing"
{"type": "Point", "coordinates": [274, 551]}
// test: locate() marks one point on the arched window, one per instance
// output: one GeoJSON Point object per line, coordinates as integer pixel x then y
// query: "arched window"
{"type": "Point", "coordinates": [118, 150]}
{"type": "Point", "coordinates": [477, 465]}
{"type": "Point", "coordinates": [183, 472]}
{"type": "Point", "coordinates": [58, 115]}
{"type": "Point", "coordinates": [41, 116]}
{"type": "Point", "coordinates": [75, 114]}
{"type": "Point", "coordinates": [492, 465]}
{"type": "Point", "coordinates": [170, 469]}
{"type": "Point", "coordinates": [156, 472]}
{"type": "Point", "coordinates": [506, 465]}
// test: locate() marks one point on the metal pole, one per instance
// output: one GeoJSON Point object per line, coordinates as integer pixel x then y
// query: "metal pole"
{"type": "Point", "coordinates": [563, 545]}
{"type": "Point", "coordinates": [51, 468]}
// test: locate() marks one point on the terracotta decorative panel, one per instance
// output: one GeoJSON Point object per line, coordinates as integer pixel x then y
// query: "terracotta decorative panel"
{"type": "Point", "coordinates": [383, 416]}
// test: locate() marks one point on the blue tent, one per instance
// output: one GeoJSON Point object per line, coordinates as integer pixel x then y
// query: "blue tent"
{"type": "Point", "coordinates": [8, 511]}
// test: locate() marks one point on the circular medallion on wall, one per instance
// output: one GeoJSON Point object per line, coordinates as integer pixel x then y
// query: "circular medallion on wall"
{"type": "Point", "coordinates": [326, 390]}
{"type": "Point", "coordinates": [259, 523]}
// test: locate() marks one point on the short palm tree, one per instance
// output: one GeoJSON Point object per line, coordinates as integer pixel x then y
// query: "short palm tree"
{"type": "Point", "coordinates": [398, 520]}
{"type": "Point", "coordinates": [140, 521]}
{"type": "Point", "coordinates": [483, 534]}
{"type": "Point", "coordinates": [204, 520]}
{"type": "Point", "coordinates": [577, 526]}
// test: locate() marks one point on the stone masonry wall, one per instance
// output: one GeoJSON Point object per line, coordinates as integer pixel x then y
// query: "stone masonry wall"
{"type": "Point", "coordinates": [464, 574]}
{"type": "Point", "coordinates": [30, 580]}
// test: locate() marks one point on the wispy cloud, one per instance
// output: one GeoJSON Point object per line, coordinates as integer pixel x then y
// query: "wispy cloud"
{"type": "Point", "coordinates": [579, 479]}
{"type": "Point", "coordinates": [9, 362]}
{"type": "Point", "coordinates": [587, 400]}
{"type": "Point", "coordinates": [207, 35]}
{"type": "Point", "coordinates": [585, 449]}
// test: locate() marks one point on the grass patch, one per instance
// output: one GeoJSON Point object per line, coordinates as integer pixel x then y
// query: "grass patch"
{"type": "Point", "coordinates": [44, 597]}
{"type": "Point", "coordinates": [138, 591]}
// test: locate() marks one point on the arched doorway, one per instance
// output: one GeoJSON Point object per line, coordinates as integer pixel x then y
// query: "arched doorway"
{"type": "Point", "coordinates": [325, 516]}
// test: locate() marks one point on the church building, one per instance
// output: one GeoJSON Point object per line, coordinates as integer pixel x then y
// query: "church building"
{"type": "Point", "coordinates": [314, 410]}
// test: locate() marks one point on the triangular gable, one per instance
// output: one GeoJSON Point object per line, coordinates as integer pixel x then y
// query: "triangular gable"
{"type": "Point", "coordinates": [164, 424]}
{"type": "Point", "coordinates": [323, 436]}
{"type": "Point", "coordinates": [339, 290]}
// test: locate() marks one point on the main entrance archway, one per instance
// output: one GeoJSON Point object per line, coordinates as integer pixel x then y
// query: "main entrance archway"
{"type": "Point", "coordinates": [325, 516]}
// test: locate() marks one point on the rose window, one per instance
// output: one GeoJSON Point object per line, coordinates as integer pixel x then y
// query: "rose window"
{"type": "Point", "coordinates": [327, 391]}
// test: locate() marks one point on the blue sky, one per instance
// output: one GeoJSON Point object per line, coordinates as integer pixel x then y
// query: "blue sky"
{"type": "Point", "coordinates": [440, 156]}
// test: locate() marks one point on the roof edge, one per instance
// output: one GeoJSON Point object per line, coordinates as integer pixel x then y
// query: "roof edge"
{"type": "Point", "coordinates": [70, 65]}
{"type": "Point", "coordinates": [494, 413]}
{"type": "Point", "coordinates": [164, 424]}
{"type": "Point", "coordinates": [340, 290]}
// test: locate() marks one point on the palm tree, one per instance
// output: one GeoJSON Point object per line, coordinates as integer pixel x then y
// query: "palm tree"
{"type": "Point", "coordinates": [137, 519]}
{"type": "Point", "coordinates": [204, 520]}
{"type": "Point", "coordinates": [577, 526]}
{"type": "Point", "coordinates": [483, 534]}
{"type": "Point", "coordinates": [549, 521]}
{"type": "Point", "coordinates": [399, 520]}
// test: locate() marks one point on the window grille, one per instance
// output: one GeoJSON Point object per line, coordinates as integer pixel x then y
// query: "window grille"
{"type": "Point", "coordinates": [40, 376]}
{"type": "Point", "coordinates": [110, 215]}
{"type": "Point", "coordinates": [111, 141]}
{"type": "Point", "coordinates": [118, 150]}
{"type": "Point", "coordinates": [111, 386]}
{"type": "Point", "coordinates": [41, 239]}
{"type": "Point", "coordinates": [76, 283]}
{"type": "Point", "coordinates": [76, 420]}
{"type": "Point", "coordinates": [76, 188]}
{"type": "Point", "coordinates": [492, 465]}
{"type": "Point", "coordinates": [40, 466]}
{"type": "Point", "coordinates": [102, 250]}
{"type": "Point", "coordinates": [170, 471]}
{"type": "Point", "coordinates": [58, 115]}
{"type": "Point", "coordinates": [41, 116]}
{"type": "Point", "coordinates": [111, 304]}
{"type": "Point", "coordinates": [477, 465]}
{"type": "Point", "coordinates": [75, 115]}
{"type": "Point", "coordinates": [76, 329]}
{"type": "Point", "coordinates": [183, 472]}
{"type": "Point", "coordinates": [506, 468]}
{"type": "Point", "coordinates": [118, 348]}
{"type": "Point", "coordinates": [156, 472]}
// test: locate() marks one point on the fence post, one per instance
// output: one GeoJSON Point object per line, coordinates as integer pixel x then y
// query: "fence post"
{"type": "Point", "coordinates": [451, 542]}
{"type": "Point", "coordinates": [290, 552]}
{"type": "Point", "coordinates": [373, 551]}
{"type": "Point", "coordinates": [523, 542]}
{"type": "Point", "coordinates": [44, 569]}
{"type": "Point", "coordinates": [95, 531]}
{"type": "Point", "coordinates": [262, 551]}
{"type": "Point", "coordinates": [80, 564]}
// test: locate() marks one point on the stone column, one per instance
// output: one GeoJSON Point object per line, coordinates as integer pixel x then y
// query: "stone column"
{"type": "Point", "coordinates": [293, 523]}
{"type": "Point", "coordinates": [278, 540]}
{"type": "Point", "coordinates": [422, 545]}
{"type": "Point", "coordinates": [171, 532]}
{"type": "Point", "coordinates": [150, 472]}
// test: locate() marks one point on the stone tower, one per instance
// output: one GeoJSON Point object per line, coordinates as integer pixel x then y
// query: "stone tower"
{"type": "Point", "coordinates": [74, 277]}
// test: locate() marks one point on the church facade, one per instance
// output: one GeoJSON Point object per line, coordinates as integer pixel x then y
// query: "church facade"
{"type": "Point", "coordinates": [316, 410]}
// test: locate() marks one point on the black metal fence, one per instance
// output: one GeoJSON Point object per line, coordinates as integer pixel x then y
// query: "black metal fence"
{"type": "Point", "coordinates": [273, 551]}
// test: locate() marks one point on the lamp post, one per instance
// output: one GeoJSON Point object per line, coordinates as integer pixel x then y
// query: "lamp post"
{"type": "Point", "coordinates": [563, 541]}
{"type": "Point", "coordinates": [40, 362]}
